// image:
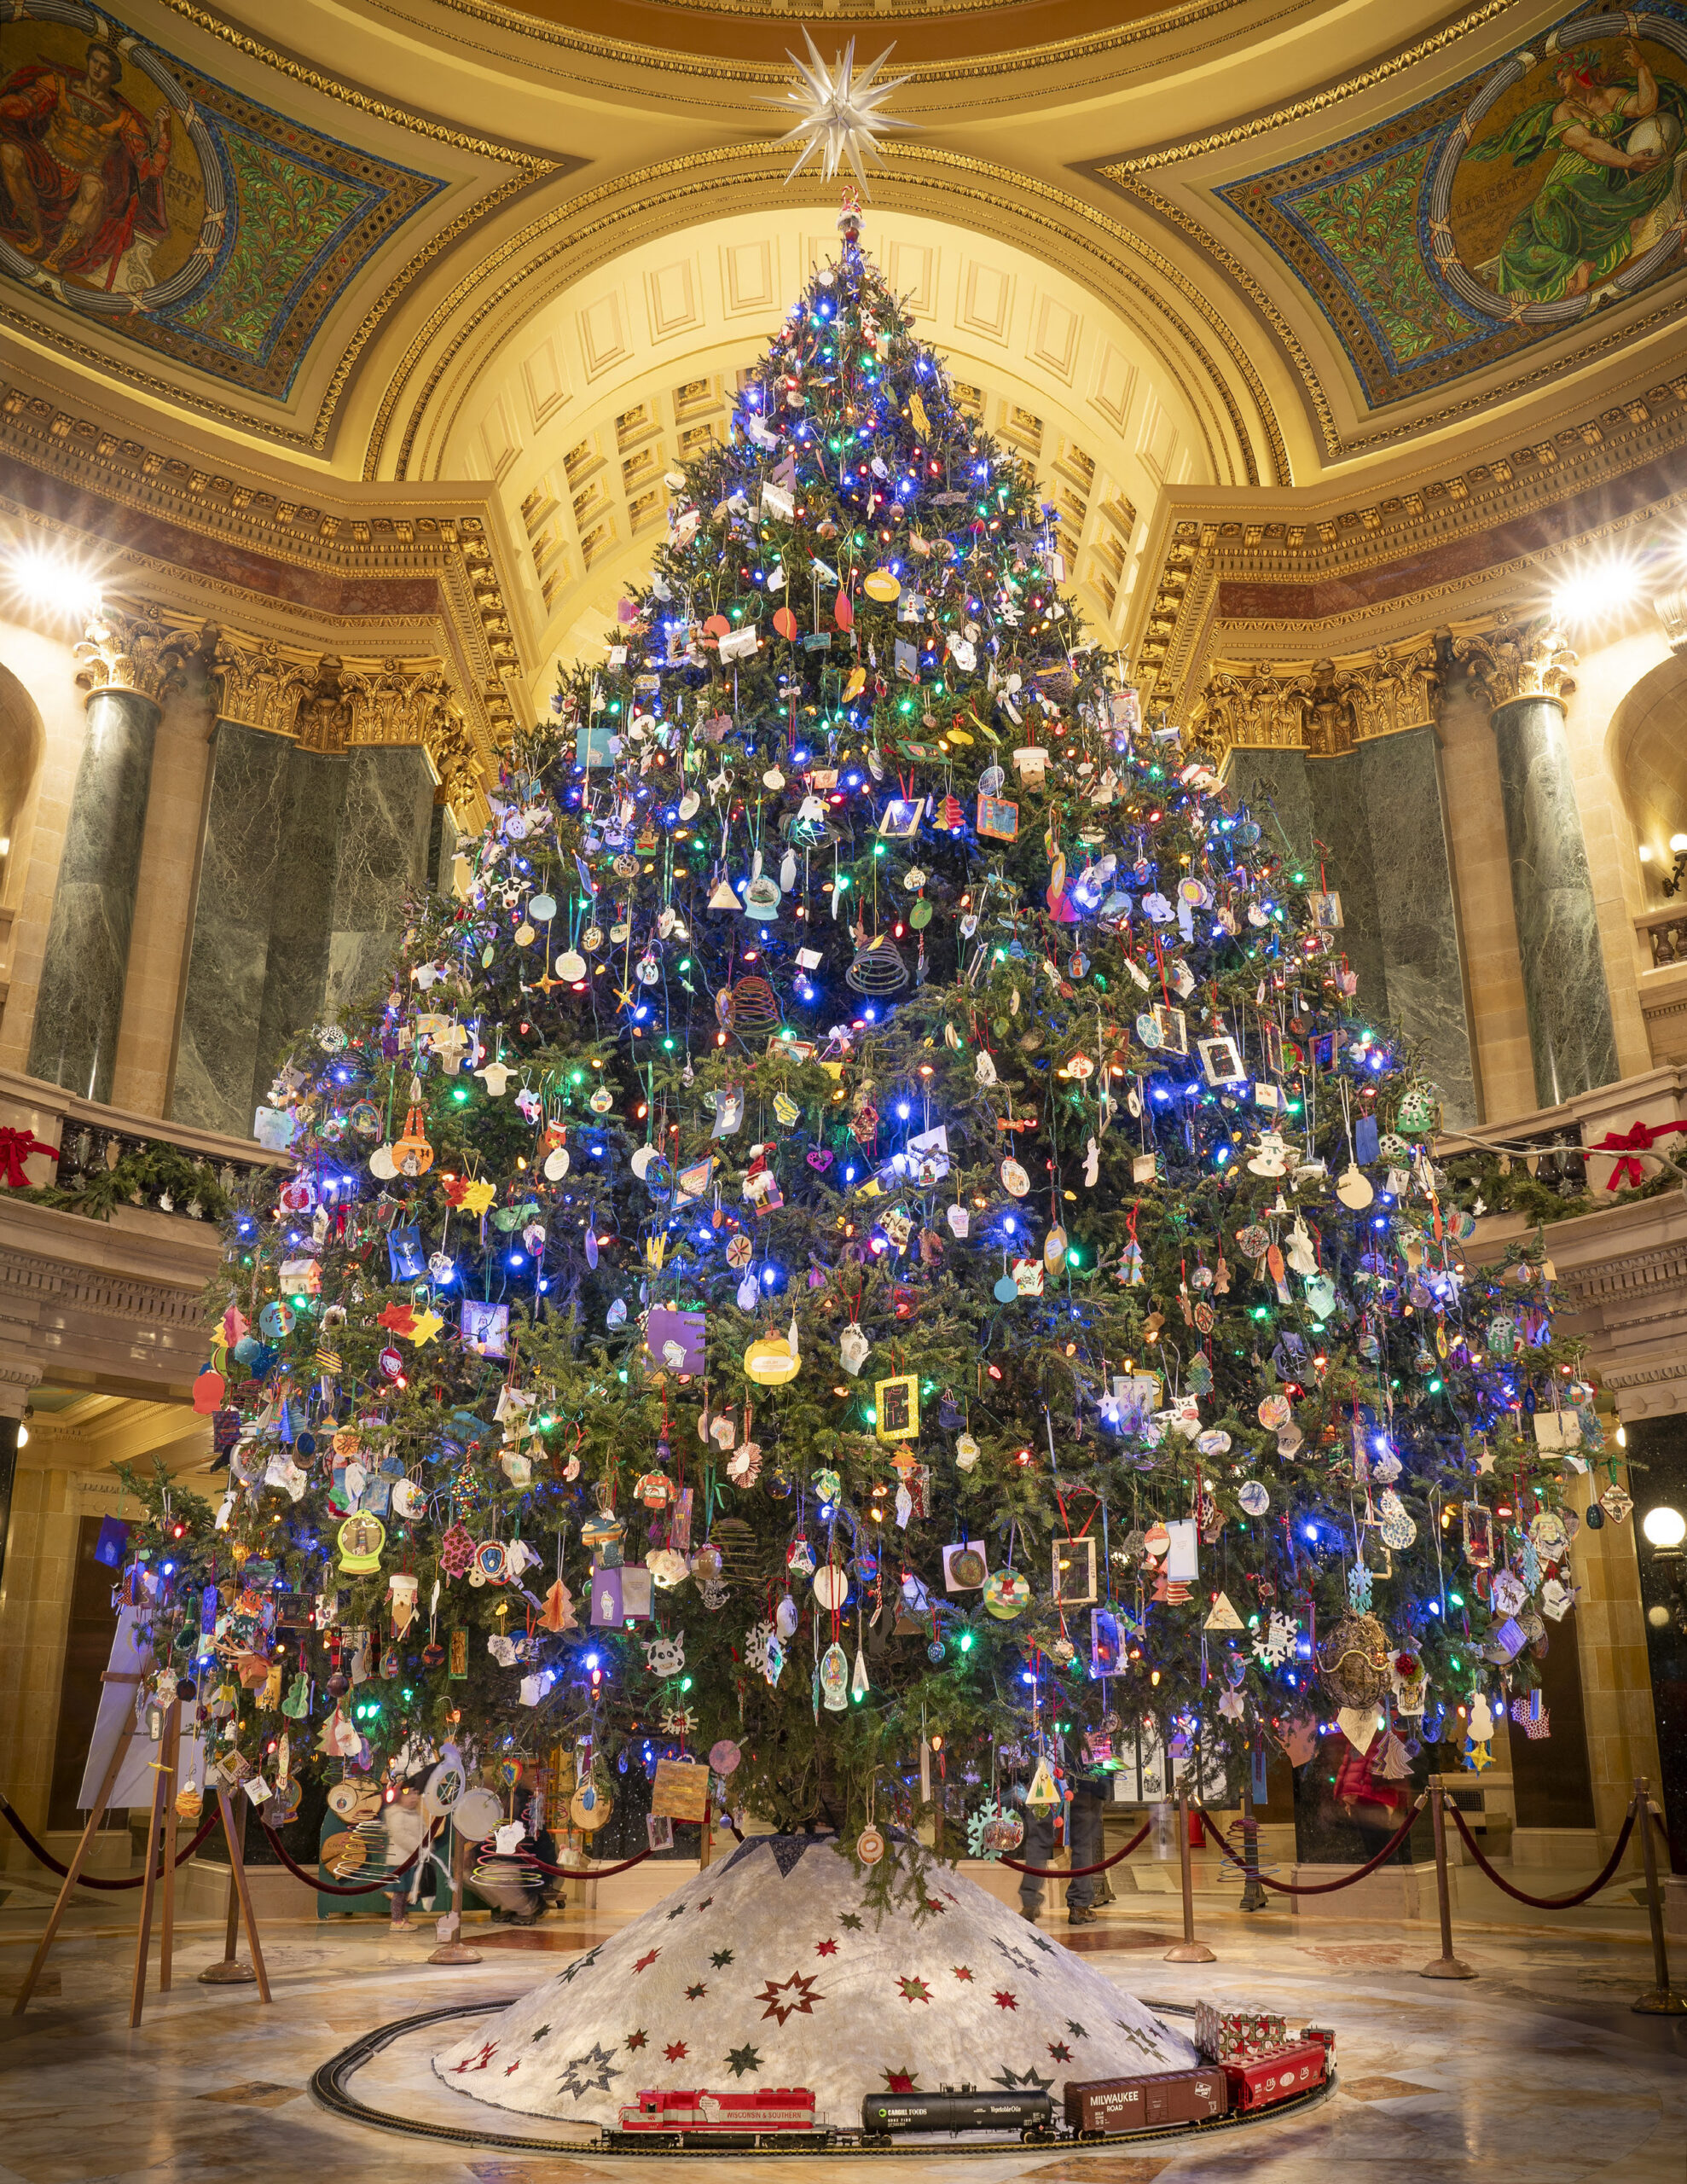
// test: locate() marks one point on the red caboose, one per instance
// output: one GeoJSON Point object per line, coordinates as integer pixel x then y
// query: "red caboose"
{"type": "Point", "coordinates": [744, 2116]}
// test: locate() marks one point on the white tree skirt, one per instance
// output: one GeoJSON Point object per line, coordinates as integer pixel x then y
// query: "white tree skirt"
{"type": "Point", "coordinates": [775, 1968]}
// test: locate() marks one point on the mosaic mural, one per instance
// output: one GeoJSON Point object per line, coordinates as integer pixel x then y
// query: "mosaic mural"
{"type": "Point", "coordinates": [1545, 188]}
{"type": "Point", "coordinates": [181, 213]}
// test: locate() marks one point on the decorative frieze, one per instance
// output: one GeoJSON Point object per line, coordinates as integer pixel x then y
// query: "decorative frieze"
{"type": "Point", "coordinates": [332, 706]}
{"type": "Point", "coordinates": [261, 686]}
{"type": "Point", "coordinates": [1325, 708]}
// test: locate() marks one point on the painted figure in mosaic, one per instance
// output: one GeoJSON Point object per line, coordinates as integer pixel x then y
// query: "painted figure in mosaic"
{"type": "Point", "coordinates": [83, 169]}
{"type": "Point", "coordinates": [1616, 139]}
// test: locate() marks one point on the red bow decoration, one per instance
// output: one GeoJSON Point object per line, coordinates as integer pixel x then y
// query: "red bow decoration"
{"type": "Point", "coordinates": [15, 1148]}
{"type": "Point", "coordinates": [1638, 1137]}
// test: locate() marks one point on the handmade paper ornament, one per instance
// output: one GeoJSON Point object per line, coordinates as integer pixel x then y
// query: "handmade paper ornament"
{"type": "Point", "coordinates": [1007, 1595]}
{"type": "Point", "coordinates": [852, 1349]}
{"type": "Point", "coordinates": [772, 1359]}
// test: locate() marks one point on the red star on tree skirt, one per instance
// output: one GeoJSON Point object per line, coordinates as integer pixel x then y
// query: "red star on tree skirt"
{"type": "Point", "coordinates": [1060, 2050]}
{"type": "Point", "coordinates": [900, 2080]}
{"type": "Point", "coordinates": [826, 1948]}
{"type": "Point", "coordinates": [647, 1960]}
{"type": "Point", "coordinates": [636, 2040]}
{"type": "Point", "coordinates": [1005, 2001]}
{"type": "Point", "coordinates": [696, 1994]}
{"type": "Point", "coordinates": [963, 1972]}
{"type": "Point", "coordinates": [914, 1990]}
{"type": "Point", "coordinates": [932, 1904]}
{"type": "Point", "coordinates": [477, 2062]}
{"type": "Point", "coordinates": [510, 2069]}
{"type": "Point", "coordinates": [799, 1987]}
{"type": "Point", "coordinates": [676, 2051]}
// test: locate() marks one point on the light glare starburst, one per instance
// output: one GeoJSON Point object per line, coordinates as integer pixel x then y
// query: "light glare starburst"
{"type": "Point", "coordinates": [841, 116]}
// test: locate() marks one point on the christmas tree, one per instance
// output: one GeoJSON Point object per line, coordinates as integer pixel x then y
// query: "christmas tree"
{"type": "Point", "coordinates": [870, 1238]}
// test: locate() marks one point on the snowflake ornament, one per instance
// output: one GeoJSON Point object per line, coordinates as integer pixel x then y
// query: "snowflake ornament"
{"type": "Point", "coordinates": [839, 110]}
{"type": "Point", "coordinates": [1275, 1643]}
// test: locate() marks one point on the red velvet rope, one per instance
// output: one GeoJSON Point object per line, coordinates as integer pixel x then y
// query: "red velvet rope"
{"type": "Point", "coordinates": [1546, 1902]}
{"type": "Point", "coordinates": [327, 1887]}
{"type": "Point", "coordinates": [1325, 1887]}
{"type": "Point", "coordinates": [45, 1857]}
{"type": "Point", "coordinates": [584, 1873]}
{"type": "Point", "coordinates": [1078, 1873]}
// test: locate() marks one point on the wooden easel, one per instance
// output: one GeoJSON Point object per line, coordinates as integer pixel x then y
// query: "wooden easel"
{"type": "Point", "coordinates": [160, 1837]}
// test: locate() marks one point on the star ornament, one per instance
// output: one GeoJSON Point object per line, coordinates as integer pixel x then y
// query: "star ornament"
{"type": "Point", "coordinates": [839, 110]}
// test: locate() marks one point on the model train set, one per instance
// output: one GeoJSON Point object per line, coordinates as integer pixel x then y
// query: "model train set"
{"type": "Point", "coordinates": [1254, 2068]}
{"type": "Point", "coordinates": [1251, 2076]}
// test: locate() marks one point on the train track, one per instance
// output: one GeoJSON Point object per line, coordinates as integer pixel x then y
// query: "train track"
{"type": "Point", "coordinates": [331, 2084]}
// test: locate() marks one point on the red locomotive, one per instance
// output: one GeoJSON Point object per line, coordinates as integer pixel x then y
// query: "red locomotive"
{"type": "Point", "coordinates": [747, 2116]}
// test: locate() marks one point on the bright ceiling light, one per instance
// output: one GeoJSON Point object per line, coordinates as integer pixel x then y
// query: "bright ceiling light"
{"type": "Point", "coordinates": [1664, 1526]}
{"type": "Point", "coordinates": [1597, 591]}
{"type": "Point", "coordinates": [1677, 843]}
{"type": "Point", "coordinates": [53, 582]}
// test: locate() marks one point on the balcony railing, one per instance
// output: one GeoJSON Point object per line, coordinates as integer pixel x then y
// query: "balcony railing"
{"type": "Point", "coordinates": [109, 1158]}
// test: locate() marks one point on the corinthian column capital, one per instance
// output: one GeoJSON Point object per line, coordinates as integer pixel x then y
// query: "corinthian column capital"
{"type": "Point", "coordinates": [138, 651]}
{"type": "Point", "coordinates": [1530, 660]}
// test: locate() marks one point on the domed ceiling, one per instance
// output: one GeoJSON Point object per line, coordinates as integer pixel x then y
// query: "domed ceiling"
{"type": "Point", "coordinates": [928, 33]}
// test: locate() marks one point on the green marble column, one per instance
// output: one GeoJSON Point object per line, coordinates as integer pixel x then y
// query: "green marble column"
{"type": "Point", "coordinates": [79, 1006]}
{"type": "Point", "coordinates": [1564, 991]}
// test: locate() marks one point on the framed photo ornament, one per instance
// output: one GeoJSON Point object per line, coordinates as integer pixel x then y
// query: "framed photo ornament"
{"type": "Point", "coordinates": [896, 1406]}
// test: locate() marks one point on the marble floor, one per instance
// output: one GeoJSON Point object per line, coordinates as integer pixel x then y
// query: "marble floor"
{"type": "Point", "coordinates": [1535, 2073]}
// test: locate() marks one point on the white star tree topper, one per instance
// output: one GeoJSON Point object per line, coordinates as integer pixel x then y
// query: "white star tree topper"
{"type": "Point", "coordinates": [841, 116]}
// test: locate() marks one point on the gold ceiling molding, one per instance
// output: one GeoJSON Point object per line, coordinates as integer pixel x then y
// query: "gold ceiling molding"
{"type": "Point", "coordinates": [1424, 516]}
{"type": "Point", "coordinates": [973, 185]}
{"type": "Point", "coordinates": [1122, 169]}
{"type": "Point", "coordinates": [1318, 402]}
{"type": "Point", "coordinates": [971, 68]}
{"type": "Point", "coordinates": [535, 165]}
{"type": "Point", "coordinates": [451, 546]}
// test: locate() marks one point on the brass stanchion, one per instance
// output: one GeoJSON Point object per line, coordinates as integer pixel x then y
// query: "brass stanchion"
{"type": "Point", "coordinates": [1659, 2000]}
{"type": "Point", "coordinates": [1446, 1965]}
{"type": "Point", "coordinates": [454, 1951]}
{"type": "Point", "coordinates": [1188, 1951]}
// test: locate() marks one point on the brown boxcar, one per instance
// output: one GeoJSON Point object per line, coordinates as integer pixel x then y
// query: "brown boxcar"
{"type": "Point", "coordinates": [1276, 2077]}
{"type": "Point", "coordinates": [1137, 2104]}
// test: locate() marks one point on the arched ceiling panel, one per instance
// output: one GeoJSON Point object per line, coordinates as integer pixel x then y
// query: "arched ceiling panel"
{"type": "Point", "coordinates": [577, 408]}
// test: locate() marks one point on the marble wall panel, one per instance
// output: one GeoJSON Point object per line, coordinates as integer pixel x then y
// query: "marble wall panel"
{"type": "Point", "coordinates": [307, 864]}
{"type": "Point", "coordinates": [313, 817]}
{"type": "Point", "coordinates": [79, 1006]}
{"type": "Point", "coordinates": [382, 860]}
{"type": "Point", "coordinates": [1371, 826]}
{"type": "Point", "coordinates": [1417, 911]}
{"type": "Point", "coordinates": [240, 855]}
